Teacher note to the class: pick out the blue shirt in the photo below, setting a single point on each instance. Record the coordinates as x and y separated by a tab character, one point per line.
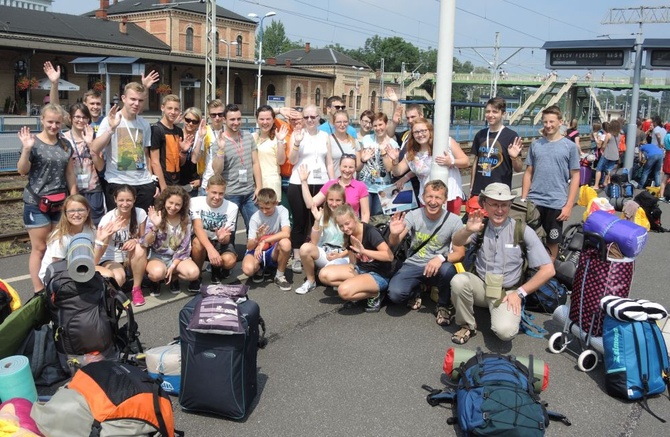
651	150
552	162
330	129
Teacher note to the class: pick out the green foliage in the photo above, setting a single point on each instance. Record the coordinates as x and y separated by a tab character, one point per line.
275	40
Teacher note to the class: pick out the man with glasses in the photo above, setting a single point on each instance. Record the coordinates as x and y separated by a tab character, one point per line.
334	104
236	159
169	148
209	146
497	277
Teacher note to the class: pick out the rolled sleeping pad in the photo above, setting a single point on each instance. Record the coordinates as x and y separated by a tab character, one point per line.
630	238
456	355
80	259
562	313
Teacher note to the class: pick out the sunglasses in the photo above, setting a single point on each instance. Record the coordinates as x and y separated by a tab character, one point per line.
339	107
349	155
216	114
311	117
191	121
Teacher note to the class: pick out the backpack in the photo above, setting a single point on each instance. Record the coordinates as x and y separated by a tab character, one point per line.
86	315
649	203
569	251
9	300
47	365
547	298
495	396
636	357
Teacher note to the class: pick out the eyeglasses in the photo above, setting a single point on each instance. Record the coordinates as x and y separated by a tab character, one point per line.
311	117
420	132
72	212
349	156
339	107
342	122
502	206
216	114
191	121
365	121
80	117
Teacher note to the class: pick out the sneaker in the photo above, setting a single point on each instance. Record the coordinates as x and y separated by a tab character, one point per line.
194	286
349	304
138	297
154	289
282	283
258	277
297	266
374	304
216	275
306	287
175	287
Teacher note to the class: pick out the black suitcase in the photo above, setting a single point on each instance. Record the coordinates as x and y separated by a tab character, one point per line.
219	372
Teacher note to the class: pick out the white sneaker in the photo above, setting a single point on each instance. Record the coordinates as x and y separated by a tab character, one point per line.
297	266
306	287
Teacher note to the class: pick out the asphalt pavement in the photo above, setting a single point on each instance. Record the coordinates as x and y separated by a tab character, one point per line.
334	372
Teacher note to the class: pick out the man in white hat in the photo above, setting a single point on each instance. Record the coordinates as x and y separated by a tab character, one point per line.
497	281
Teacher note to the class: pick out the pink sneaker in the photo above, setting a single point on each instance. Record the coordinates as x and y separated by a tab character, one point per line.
138	297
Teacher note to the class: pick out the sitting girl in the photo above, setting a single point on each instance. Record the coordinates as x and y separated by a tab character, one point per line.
168	235
329	250
368	275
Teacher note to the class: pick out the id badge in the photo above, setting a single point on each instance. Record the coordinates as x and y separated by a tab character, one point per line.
243	176
82	180
317	173
493	284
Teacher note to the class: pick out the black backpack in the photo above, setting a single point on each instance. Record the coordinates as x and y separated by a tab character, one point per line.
649	203
569	251
86	315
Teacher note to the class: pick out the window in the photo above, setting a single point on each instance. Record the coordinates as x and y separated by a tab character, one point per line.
317	96
239	45
237	91
298	97
351	98
189	39
373	100
270	91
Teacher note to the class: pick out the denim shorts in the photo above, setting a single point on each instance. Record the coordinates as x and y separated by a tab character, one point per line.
266	257
34	218
382	282
605	165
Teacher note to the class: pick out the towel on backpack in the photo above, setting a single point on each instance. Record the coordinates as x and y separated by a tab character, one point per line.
632	310
216	315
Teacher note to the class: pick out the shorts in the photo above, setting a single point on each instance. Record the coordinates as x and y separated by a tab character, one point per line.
34	218
266	258
166	259
382	282
550	223
221	248
605	165
322	260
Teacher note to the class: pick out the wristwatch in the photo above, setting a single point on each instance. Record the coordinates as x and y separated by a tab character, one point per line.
521	293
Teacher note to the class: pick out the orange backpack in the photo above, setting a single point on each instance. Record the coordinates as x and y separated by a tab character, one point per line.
622	143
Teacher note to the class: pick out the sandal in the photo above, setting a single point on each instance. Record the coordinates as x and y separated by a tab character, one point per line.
444	316
414	303
463	335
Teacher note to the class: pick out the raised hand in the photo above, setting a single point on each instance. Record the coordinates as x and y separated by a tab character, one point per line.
356	244
475	222
27	139
392	152
88	134
187	142
317	213
515	148
114	117
303	172
52	73
221	141
397	223
391	95
282	132
367	154
150	79
298	135
155	216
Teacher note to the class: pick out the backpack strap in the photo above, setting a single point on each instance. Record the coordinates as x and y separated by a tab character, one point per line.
427	240
39	349
155	390
643	368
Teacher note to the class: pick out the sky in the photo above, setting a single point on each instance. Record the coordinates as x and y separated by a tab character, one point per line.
520	23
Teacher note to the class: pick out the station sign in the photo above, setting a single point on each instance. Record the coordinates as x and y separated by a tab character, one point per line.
589	54
657	52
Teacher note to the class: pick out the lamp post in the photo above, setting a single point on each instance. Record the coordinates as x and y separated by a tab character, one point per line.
228	44
356	91
260	52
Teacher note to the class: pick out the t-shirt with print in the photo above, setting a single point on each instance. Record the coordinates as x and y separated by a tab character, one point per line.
166	141
493	161
238	169
370	241
57	249
552	162
116	241
373	171
84	169
421	227
173	242
275	222
125	158
48	163
420	166
331	234
225	216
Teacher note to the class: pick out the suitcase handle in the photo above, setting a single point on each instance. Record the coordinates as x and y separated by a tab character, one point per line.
592	239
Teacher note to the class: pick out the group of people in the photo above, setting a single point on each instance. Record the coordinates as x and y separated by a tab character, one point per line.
159	200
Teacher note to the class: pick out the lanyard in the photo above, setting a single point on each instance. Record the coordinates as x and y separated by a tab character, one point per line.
239	147
137	132
489	148
80	158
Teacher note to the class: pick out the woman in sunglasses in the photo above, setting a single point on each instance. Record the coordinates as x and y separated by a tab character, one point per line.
196	128
341	143
374	164
310	147
419	159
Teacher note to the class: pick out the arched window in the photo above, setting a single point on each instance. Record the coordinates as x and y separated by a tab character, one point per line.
270	91
351	98
239	45
298	96
317	96
373	101
217	43
237	91
189	39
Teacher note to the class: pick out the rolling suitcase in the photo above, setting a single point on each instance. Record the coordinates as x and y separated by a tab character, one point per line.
597	276
218	371
585	173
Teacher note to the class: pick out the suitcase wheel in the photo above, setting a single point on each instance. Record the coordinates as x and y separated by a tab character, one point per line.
587	361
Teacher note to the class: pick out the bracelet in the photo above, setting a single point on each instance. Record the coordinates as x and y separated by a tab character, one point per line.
100	243
315	229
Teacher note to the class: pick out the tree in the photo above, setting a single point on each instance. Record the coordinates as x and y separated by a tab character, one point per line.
275	41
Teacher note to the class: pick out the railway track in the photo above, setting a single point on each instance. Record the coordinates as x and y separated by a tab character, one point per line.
20	236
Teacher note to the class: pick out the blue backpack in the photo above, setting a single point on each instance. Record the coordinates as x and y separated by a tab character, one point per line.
495	396
547	298
636	360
